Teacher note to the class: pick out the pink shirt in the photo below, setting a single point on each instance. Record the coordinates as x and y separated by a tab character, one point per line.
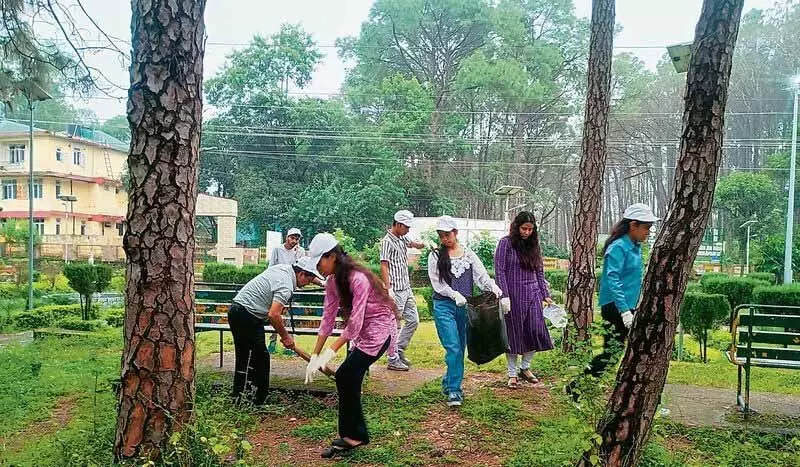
371	321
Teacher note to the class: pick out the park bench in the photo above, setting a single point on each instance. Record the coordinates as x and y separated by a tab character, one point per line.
301	317
765	336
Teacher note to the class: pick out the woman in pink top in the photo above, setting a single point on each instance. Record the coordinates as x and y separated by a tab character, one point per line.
359	297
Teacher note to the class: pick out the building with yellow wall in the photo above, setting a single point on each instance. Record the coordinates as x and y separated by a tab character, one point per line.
87	164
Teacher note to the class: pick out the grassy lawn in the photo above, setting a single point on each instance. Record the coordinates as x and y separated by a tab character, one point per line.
58	409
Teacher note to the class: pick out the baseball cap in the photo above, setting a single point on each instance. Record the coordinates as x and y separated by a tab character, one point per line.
446	224
640	212
320	244
404	217
294	231
304	263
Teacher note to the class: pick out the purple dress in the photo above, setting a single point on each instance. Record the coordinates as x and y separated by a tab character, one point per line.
527	289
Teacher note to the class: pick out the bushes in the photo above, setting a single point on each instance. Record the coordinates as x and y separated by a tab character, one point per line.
427	294
701	312
778	295
75	323
710	276
10	291
87	279
738	290
45	316
229	274
557	296
114	317
557	279
763	276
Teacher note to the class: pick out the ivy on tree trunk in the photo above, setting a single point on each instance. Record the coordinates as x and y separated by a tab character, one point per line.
625	428
164	113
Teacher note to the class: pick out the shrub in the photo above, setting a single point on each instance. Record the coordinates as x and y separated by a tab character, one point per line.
702	312
87	279
44	316
419	278
788	295
117	284
9	291
114	317
738	290
710	276
694	287
427	294
229	274
557	279
484	246
557	296
77	324
763	276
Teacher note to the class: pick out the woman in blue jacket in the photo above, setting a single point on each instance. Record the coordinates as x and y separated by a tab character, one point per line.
620	284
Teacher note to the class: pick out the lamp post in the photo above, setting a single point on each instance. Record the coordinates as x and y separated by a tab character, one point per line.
787	254
507	191
33	92
747	225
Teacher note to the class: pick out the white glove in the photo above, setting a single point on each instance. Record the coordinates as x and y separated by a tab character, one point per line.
627	319
497	291
505	305
313	366
326	357
429	244
460	300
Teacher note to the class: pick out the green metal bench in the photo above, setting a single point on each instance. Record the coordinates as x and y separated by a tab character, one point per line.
302	316
765	336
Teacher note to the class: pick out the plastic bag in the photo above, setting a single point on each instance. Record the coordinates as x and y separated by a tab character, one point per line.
556	315
486	335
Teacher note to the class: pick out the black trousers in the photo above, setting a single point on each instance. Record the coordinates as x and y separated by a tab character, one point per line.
349	379
251	371
613	341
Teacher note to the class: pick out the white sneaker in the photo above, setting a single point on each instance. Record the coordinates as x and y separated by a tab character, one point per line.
395	364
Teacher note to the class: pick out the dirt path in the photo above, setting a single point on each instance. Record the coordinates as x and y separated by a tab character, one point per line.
62	413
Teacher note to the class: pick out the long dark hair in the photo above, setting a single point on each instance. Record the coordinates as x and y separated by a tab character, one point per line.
342	270
619	230
443	264
529	250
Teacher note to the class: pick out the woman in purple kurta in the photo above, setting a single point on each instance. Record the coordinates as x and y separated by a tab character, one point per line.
520	274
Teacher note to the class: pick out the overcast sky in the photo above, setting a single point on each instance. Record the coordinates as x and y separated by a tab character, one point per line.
647	27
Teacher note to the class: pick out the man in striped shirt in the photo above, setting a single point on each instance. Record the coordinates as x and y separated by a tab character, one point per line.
394	269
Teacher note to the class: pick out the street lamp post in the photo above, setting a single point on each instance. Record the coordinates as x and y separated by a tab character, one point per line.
747	225
33	93
787	256
71	200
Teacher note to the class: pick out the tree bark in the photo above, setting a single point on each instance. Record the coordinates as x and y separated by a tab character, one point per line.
580	292
626	426
164	113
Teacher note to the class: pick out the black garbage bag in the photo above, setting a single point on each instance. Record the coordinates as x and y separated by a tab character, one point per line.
486	332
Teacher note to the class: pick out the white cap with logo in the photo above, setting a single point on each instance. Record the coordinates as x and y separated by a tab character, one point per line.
404	217
304	263
294	231
320	244
640	212
446	224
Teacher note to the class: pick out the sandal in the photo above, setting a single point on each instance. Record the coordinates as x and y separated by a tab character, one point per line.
528	376
338	447
512	383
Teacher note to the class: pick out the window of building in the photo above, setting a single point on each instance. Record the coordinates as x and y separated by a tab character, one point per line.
59	155
120	228
9	188
38	189
83	228
16	153
77	156
58	226
38	225
58	188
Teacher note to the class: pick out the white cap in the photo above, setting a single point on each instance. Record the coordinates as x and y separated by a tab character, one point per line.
294	231
446	224
320	244
304	263
404	217
640	212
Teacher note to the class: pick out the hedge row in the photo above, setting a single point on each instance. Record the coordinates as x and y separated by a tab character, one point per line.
45	316
738	290
778	295
229	274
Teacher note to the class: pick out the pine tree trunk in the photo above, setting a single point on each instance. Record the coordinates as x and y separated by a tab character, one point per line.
626	426
580	291
164	112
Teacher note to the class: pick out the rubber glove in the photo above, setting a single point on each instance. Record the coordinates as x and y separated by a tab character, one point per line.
497	291
627	319
460	300
505	305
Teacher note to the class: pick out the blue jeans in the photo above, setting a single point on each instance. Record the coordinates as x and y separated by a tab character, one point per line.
451	325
